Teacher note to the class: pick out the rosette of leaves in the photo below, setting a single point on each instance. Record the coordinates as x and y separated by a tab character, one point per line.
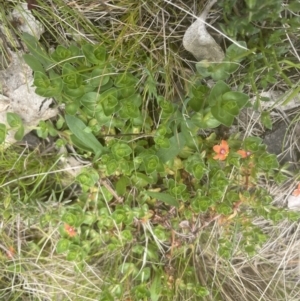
47	86
16	123
221	106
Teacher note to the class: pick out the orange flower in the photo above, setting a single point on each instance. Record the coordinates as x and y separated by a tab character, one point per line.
70	230
243	153
10	252
297	191
222	150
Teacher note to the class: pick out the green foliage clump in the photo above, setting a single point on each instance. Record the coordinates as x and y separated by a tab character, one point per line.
270	60
160	176
160	168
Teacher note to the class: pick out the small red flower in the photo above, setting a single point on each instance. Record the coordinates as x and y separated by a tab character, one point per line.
243	153
70	230
297	191
222	150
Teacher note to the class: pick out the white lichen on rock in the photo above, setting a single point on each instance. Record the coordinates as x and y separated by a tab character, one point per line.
16	83
199	42
27	22
20	97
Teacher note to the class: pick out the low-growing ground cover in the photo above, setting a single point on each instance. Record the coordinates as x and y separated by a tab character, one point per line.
177	197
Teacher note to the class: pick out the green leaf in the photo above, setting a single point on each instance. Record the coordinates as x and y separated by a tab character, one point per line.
125	80
220	71
252	144
47	87
251	4
71	76
126	234
129	109
141	292
224	209
121	185
177	143
219	89
94	54
162	142
77	127
74	93
203	68
136	99
2	132
294	6
225	113
61	53
235	53
110	92
91	101
268	162
78	143
106	296
241	99
72	108
42	130
222	115
151	163
198	170
121	150
266	119
200	204
164	197
178	190
100	53
56	87
98	78
75	51
205	122
230	106
33	63
69	218
62	246
89	218
111	167
198	100
201	291
156	287
88	51
106	87
119	216
19	133
41	80
109	105
75	253
231	67
90	98
38	52
14	120
167	108
141	180
127	92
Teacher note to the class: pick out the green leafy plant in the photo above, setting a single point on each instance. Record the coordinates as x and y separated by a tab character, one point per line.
230	64
253	22
166	193
16	124
176	174
100	101
219	106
